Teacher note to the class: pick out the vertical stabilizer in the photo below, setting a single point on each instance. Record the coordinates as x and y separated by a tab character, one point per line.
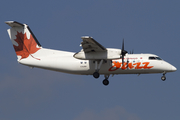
24	42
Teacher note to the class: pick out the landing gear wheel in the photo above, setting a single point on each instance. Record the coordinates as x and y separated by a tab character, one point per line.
105	82
96	75
163	78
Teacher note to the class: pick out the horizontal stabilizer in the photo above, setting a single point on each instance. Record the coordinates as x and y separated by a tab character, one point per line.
14	24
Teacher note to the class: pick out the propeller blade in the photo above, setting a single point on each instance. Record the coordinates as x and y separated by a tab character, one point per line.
122	60
127	63
123	52
123	45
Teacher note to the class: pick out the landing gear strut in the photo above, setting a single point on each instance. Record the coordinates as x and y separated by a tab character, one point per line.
97	68
163	78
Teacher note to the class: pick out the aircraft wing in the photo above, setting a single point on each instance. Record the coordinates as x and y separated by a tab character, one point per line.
92	50
90	45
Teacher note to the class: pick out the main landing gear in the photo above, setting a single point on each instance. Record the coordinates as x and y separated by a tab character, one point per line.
96	73
163	78
97	68
106	81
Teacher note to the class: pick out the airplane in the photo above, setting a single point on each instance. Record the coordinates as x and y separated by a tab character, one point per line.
94	59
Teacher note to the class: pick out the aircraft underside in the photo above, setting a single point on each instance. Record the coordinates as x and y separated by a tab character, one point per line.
91	67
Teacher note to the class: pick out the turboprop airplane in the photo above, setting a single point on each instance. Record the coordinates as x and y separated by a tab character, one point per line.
93	59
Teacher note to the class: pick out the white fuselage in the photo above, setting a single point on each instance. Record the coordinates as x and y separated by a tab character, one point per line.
63	61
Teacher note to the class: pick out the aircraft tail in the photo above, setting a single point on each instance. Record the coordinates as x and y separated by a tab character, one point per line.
24	42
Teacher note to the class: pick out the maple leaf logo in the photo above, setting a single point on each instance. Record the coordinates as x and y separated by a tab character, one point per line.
25	46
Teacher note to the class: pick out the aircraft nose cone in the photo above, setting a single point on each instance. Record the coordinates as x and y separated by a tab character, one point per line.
174	68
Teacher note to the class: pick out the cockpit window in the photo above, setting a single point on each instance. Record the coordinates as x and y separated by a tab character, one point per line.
158	58
154	58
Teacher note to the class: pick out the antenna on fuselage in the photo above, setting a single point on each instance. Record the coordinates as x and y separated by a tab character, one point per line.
131	52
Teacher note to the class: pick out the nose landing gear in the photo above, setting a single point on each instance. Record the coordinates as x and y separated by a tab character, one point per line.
163	78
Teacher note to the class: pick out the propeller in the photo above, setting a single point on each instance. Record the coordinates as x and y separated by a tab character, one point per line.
123	52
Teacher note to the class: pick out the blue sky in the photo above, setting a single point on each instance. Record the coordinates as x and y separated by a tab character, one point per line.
147	27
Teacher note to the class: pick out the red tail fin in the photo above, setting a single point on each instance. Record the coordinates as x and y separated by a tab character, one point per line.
24	42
